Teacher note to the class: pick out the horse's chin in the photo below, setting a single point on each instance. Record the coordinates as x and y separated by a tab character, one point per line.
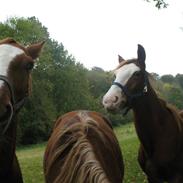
117	109
113	110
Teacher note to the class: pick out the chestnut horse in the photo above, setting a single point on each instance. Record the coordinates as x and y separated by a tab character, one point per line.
83	149
159	126
181	114
16	62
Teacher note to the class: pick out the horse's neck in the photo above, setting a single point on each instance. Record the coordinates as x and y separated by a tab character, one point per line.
11	131
7	147
147	106
148	116
10	134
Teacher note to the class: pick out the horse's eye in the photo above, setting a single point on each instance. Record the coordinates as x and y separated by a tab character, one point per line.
29	66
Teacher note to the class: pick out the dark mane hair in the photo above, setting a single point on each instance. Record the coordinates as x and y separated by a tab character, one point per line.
171	108
174	111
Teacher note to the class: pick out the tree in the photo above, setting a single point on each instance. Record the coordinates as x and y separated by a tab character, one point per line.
159	3
179	79
173	95
36	119
25	30
99	81
168	78
59	82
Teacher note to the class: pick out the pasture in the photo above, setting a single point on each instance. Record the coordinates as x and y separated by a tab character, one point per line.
31	158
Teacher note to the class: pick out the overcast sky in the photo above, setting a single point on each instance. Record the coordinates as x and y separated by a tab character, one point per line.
96	31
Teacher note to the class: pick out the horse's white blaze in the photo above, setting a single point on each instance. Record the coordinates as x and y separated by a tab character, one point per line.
7	54
123	74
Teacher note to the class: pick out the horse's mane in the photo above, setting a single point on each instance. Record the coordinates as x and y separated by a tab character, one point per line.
171	108
77	155
174	111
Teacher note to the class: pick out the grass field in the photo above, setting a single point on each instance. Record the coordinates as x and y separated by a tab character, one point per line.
31	158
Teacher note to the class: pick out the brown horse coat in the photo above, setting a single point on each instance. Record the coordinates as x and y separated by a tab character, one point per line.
159	125
181	114
159	128
83	149
16	63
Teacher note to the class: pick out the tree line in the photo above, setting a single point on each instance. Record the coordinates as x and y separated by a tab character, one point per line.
61	84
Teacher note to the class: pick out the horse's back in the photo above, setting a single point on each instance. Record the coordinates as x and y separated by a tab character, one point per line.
71	130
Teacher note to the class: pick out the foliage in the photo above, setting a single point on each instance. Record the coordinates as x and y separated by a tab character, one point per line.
172	90
38	113
61	84
159	3
179	80
167	78
99	81
174	95
26	31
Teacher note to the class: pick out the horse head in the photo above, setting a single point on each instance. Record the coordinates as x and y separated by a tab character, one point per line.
16	63
130	82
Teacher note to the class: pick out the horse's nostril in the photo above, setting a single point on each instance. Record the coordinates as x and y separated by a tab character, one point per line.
116	99
105	102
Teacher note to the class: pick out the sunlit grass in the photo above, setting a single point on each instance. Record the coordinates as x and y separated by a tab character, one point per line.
31	158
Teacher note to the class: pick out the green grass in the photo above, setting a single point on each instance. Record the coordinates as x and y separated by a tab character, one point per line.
31	162
31	158
129	145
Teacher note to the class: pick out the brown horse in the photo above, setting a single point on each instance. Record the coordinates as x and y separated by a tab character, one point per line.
181	114
16	62
159	126
83	149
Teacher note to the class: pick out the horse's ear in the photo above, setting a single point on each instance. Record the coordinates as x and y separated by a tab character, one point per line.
35	49
120	59
141	56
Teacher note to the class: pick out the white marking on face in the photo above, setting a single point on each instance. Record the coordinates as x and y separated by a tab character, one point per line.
124	73
114	97
7	54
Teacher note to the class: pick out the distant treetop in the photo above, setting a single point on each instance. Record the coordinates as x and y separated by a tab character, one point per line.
159	3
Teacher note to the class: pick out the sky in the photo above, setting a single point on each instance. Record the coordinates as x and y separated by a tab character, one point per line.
96	31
